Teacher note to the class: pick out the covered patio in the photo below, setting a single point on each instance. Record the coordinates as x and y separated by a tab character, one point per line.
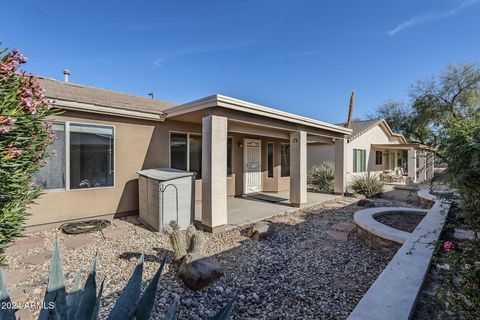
247	151
413	163
249	209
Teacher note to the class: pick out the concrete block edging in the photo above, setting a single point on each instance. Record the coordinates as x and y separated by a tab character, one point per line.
394	294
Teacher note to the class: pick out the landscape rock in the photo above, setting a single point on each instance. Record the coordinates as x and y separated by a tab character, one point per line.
366	203
198	272
259	230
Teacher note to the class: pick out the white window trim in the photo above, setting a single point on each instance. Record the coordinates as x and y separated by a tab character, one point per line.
67	157
266	158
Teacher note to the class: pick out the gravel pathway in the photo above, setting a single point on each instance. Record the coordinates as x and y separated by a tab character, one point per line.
302	271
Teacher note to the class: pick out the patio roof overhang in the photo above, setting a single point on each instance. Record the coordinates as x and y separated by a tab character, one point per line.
247	117
392	146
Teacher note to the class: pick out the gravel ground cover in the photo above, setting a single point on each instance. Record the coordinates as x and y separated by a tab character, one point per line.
312	266
405	221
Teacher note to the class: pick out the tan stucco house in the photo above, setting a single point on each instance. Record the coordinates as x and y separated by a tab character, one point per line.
104	138
374	149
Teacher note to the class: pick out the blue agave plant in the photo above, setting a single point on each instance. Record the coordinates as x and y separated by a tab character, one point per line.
84	303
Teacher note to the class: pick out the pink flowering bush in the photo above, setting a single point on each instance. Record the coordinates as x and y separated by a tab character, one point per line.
448	245
24	137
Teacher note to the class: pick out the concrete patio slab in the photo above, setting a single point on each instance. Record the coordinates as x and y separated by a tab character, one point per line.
244	211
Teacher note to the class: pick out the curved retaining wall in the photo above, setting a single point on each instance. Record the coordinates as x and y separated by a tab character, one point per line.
393	295
378	235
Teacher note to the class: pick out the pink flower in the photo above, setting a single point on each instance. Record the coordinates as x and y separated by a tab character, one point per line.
42	162
7	120
448	245
5	129
13	152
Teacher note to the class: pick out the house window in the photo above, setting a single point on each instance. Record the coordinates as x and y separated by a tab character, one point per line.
359	160
195	155
285	159
52	175
378	157
270	160
229	156
178	151
91	156
82	157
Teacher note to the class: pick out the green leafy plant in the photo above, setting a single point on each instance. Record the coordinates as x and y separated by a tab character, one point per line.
321	178
369	186
85	303
24	137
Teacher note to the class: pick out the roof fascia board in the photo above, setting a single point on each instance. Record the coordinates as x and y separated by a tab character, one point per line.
244	106
91	108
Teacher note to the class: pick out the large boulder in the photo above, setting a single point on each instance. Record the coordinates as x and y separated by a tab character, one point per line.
198	272
259	230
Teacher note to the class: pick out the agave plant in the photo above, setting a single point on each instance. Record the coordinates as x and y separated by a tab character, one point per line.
84	303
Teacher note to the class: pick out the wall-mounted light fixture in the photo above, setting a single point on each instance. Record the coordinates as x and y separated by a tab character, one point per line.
240	145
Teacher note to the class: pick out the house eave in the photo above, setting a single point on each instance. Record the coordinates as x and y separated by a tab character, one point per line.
107	110
251	108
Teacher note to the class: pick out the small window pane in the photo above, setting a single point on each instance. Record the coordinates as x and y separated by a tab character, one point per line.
359	160
91	156
178	151
52	175
378	157
196	155
285	160
270	160
229	156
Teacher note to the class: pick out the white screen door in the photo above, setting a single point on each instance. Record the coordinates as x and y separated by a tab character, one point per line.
252	181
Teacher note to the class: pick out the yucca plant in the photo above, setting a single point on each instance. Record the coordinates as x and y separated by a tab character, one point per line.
369	186
84	303
320	178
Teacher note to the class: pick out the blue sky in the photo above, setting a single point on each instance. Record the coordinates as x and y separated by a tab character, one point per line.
300	56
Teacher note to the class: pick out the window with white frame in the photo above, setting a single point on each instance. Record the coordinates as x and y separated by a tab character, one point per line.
229	156
186	153
82	156
359	160
270	153
285	160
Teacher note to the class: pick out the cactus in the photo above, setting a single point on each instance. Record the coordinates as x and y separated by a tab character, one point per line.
189	234
173	232
196	242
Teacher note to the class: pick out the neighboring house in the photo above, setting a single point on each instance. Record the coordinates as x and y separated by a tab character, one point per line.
373	148
235	147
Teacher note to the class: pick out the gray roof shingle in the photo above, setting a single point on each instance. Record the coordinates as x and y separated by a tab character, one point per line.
84	94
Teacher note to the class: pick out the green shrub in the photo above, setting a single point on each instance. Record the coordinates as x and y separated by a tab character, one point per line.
321	178
460	150
24	137
369	186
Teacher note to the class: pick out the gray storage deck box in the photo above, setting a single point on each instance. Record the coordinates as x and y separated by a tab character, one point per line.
166	195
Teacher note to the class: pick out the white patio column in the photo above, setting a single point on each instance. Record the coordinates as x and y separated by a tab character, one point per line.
214	172
298	168
430	165
412	165
422	166
340	166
